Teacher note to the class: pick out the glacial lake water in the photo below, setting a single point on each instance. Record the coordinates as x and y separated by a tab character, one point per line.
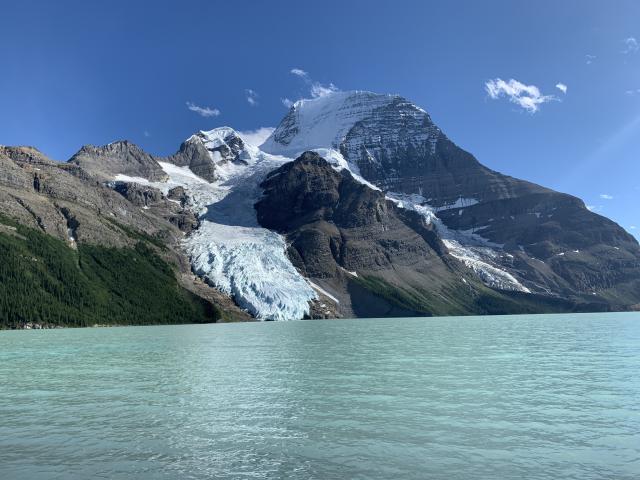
522	397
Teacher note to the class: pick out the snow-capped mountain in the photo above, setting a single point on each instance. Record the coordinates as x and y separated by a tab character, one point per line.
514	234
323	122
384	215
506	233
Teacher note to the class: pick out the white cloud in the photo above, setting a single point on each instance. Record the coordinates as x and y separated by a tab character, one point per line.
595	208
252	97
631	45
528	97
562	87
319	90
203	111
258	136
316	89
606	196
299	72
286	102
633	92
589	59
632	227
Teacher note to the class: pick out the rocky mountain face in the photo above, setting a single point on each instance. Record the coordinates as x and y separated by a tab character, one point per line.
374	257
122	157
347	237
550	242
204	151
393	144
357	205
56	199
66	202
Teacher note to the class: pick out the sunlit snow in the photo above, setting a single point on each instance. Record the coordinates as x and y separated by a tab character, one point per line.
229	249
476	252
232	252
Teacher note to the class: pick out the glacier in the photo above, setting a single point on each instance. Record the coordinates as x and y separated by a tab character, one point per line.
232	252
229	249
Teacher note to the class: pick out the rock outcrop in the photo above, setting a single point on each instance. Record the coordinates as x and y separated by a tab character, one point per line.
75	206
205	152
373	257
118	158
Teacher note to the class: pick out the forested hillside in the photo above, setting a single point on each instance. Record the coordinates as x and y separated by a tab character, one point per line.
44	281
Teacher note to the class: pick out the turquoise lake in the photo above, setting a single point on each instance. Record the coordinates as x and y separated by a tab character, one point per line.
515	397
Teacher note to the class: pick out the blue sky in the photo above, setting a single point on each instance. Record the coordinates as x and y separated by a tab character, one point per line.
92	72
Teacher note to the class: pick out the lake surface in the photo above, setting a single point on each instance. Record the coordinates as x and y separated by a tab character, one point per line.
526	397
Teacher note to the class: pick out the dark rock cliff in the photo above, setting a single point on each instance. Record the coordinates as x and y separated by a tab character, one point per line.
377	259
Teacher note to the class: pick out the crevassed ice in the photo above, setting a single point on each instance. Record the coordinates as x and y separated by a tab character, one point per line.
251	265
229	249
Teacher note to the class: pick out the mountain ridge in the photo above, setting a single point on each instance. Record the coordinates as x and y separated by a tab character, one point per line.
513	242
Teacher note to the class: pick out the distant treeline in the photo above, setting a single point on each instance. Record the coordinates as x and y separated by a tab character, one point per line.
43	280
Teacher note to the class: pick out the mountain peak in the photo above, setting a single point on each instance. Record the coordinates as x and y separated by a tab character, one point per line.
222	139
325	122
25	154
119	157
214	137
206	151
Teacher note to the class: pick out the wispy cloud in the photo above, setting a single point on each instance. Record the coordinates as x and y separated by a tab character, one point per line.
589	59
528	97
595	208
562	87
252	97
606	196
630	45
287	102
633	92
632	227
203	111
258	136
299	72
316	89
146	133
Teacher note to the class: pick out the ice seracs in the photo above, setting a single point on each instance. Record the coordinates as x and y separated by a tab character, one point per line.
229	249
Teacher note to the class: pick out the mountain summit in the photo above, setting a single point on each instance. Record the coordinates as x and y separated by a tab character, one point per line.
356	205
549	241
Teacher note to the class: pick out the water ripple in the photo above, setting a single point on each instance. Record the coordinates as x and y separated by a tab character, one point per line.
537	397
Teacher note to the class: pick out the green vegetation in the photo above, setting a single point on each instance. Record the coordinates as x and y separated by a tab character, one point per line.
44	281
462	299
136	235
398	296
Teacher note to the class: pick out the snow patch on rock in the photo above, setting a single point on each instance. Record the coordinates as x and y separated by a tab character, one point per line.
475	251
461	202
339	163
